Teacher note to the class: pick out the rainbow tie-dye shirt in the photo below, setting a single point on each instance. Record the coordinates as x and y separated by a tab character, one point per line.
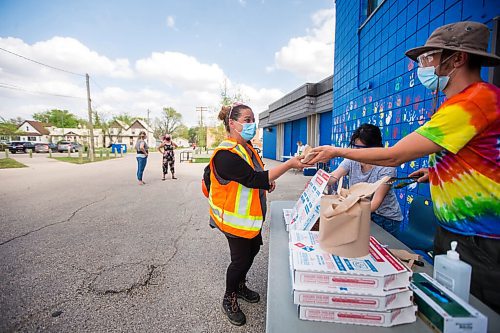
465	177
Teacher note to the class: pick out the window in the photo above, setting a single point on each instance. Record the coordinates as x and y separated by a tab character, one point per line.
371	6
133	132
31	138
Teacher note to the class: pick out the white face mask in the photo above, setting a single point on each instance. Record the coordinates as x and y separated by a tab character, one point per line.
429	79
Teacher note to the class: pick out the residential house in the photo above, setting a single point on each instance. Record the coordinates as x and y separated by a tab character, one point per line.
34	131
120	132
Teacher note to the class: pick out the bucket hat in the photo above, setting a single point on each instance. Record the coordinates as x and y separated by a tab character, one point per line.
467	36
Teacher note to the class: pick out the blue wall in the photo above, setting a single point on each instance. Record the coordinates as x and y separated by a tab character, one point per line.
269	142
373	80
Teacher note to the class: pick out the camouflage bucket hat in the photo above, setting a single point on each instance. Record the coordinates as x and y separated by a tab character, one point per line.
467	36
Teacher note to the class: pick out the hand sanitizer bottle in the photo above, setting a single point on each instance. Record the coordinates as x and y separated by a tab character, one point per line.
453	273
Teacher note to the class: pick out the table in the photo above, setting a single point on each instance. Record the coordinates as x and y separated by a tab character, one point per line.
282	314
285	158
186	155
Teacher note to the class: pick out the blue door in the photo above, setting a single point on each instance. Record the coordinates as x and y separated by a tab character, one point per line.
325	128
269	142
287	140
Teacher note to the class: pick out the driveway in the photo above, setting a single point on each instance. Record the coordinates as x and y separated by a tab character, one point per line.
84	248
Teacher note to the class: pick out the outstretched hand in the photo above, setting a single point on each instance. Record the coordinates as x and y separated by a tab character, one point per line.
323	154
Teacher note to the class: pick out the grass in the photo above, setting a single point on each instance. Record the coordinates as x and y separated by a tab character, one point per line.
9	163
84	160
201	159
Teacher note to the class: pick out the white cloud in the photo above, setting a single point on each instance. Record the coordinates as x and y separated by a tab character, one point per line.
310	57
181	70
242	2
166	79
171	22
61	52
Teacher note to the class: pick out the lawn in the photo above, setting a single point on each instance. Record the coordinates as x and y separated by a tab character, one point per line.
84	160
8	163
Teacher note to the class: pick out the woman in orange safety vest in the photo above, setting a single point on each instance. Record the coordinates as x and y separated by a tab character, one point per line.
237	199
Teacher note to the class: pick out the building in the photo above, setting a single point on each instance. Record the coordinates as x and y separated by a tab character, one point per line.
118	132
373	81
305	114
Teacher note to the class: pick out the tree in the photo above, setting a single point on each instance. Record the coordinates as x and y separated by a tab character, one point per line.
169	121
8	127
182	131
59	118
193	134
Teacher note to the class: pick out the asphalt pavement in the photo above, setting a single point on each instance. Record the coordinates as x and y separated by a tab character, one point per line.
84	248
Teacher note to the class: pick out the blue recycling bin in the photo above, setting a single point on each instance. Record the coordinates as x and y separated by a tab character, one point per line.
116	148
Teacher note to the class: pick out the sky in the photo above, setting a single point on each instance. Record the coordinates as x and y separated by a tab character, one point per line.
150	54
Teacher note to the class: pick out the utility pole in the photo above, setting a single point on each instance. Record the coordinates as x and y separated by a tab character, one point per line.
91	126
148	119
202	109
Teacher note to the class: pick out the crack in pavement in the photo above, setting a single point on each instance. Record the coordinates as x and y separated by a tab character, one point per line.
55	223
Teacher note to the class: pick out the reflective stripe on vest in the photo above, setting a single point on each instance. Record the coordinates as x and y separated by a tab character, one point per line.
231	204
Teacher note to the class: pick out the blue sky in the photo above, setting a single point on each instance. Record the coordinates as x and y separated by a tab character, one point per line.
150	54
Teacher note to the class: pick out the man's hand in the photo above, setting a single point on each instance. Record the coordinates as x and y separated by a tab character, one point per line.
423	175
324	154
272	186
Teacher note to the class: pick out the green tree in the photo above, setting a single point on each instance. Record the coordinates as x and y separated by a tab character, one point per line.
8	127
168	122
59	118
193	134
182	131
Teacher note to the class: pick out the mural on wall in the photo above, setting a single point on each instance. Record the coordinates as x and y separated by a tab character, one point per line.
404	108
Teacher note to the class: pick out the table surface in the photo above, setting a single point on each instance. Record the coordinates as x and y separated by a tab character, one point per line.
282	314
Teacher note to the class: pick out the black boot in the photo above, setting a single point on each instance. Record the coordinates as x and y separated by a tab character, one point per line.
248	295
232	309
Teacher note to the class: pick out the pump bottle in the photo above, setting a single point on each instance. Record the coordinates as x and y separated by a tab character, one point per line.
453	273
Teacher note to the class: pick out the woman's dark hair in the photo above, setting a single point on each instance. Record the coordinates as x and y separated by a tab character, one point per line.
368	134
231	112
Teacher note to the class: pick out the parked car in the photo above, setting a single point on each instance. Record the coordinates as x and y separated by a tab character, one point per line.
21	146
53	147
64	146
41	148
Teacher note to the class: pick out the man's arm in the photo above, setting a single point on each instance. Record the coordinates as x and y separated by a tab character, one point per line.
411	147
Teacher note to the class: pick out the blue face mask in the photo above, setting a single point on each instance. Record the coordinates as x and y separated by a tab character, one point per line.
248	131
432	81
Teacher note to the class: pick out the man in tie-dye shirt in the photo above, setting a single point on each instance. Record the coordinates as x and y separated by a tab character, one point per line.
463	140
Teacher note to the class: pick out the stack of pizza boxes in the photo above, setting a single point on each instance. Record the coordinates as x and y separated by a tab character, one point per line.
371	290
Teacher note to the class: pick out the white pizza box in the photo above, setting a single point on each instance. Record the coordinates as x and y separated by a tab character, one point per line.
393	299
359	317
313	269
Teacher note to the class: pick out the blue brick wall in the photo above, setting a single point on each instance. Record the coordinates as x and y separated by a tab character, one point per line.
373	80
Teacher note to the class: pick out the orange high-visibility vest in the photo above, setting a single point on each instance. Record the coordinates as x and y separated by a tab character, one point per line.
235	209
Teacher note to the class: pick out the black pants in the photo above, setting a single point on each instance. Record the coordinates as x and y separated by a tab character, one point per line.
243	251
483	254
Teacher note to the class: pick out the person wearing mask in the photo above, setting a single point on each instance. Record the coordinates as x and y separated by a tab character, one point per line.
384	205
300	148
168	153
141	147
237	185
462	141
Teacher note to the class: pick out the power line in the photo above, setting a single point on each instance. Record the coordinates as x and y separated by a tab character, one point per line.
14	87
40	63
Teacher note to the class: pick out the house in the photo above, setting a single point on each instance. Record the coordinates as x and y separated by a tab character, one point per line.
120	132
80	135
34	131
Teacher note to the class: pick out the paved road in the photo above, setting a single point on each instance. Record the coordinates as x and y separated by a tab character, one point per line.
83	248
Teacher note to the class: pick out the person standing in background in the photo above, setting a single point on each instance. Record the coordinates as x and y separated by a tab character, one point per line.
141	147
168	153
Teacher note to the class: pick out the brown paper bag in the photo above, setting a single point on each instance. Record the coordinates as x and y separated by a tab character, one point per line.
344	225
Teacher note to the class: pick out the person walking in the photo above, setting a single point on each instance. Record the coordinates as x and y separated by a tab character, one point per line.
237	184
385	208
462	141
141	147
168	153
